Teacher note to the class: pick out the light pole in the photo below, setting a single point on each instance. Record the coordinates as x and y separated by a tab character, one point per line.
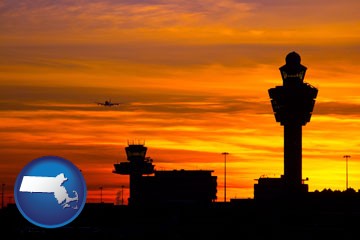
122	194
347	175
2	195
101	188
225	153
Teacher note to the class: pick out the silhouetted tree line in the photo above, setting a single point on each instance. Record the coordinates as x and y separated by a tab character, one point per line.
329	191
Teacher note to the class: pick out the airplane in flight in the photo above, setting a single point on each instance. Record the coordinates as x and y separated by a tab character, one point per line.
107	103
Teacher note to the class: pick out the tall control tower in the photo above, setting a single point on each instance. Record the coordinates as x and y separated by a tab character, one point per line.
293	104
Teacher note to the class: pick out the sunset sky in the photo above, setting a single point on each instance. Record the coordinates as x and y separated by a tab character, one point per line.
192	77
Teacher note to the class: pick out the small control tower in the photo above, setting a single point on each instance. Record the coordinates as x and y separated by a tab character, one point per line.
293	104
138	165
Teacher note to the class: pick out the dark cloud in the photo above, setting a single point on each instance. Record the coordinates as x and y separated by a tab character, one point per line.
337	108
151	56
17	98
34	98
26	96
175	55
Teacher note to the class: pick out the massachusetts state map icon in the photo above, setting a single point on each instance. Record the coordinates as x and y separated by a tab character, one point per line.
50	192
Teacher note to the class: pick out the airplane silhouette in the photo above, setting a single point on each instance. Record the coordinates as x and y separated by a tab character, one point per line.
107	103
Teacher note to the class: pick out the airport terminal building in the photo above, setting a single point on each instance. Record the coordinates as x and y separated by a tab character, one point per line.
151	187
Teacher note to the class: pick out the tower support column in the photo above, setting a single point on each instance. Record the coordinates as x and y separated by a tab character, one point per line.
293	154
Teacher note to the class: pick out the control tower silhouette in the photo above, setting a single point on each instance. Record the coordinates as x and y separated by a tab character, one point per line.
138	165
292	104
